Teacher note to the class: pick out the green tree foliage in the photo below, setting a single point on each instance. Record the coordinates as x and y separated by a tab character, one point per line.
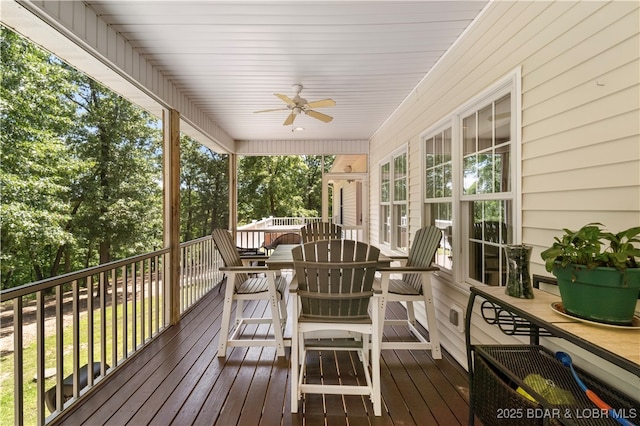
279	186
312	196
80	175
204	190
37	166
120	197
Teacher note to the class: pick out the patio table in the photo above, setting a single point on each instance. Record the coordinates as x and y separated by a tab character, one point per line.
281	258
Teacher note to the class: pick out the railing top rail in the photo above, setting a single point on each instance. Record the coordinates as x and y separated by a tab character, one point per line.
196	241
270	230
267	222
47	283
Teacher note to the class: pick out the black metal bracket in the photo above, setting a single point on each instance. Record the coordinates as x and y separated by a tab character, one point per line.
509	323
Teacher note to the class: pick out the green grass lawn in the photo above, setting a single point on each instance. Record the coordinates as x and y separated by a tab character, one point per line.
30	360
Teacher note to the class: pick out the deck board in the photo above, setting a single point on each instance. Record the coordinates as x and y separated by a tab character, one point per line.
178	379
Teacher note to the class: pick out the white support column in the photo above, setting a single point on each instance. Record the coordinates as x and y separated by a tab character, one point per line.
233	194
325	198
171	194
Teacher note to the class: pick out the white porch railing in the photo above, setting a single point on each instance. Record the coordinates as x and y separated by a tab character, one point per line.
87	323
259	232
200	265
280	222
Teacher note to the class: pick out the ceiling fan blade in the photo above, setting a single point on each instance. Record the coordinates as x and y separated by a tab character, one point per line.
273	109
320	116
289	119
322	103
285	99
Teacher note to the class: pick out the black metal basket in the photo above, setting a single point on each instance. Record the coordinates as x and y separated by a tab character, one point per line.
500	370
495	400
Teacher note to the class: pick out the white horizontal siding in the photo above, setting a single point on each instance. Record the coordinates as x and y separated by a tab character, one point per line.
593	133
348	204
605	200
580	102
581	109
618	148
593	177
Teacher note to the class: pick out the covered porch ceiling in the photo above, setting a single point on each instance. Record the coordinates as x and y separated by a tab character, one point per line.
230	57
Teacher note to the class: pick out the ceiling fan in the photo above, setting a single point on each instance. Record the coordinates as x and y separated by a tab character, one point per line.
298	105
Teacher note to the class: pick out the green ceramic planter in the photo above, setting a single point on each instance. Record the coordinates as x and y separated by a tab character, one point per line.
603	295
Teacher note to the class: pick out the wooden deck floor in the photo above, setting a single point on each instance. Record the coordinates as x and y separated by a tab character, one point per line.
179	380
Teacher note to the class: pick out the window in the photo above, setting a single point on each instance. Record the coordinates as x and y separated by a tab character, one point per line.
393	202
385	205
486	169
490	229
487	146
439	191
477	145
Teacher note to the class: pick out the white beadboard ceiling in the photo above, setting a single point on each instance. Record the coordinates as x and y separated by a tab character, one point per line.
230	57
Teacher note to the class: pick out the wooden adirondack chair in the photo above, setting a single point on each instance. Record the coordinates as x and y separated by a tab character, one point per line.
414	286
320	231
249	283
333	289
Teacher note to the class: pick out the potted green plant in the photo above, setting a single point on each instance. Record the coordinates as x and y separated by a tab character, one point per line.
597	271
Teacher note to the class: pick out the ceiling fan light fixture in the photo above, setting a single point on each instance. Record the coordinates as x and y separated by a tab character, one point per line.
298	105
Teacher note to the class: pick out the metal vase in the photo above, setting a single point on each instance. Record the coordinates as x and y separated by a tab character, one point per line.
518	276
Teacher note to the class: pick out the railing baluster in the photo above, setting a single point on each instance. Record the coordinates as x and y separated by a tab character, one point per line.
147	267
90	330
143	337
134	305
114	317
156	265
103	322
40	353
204	281
162	269
59	348
75	304
213	265
194	273
125	312
192	277
195	251
18	382
209	266
198	269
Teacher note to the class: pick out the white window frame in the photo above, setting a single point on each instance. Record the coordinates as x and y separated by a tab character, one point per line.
392	203
461	203
447	241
